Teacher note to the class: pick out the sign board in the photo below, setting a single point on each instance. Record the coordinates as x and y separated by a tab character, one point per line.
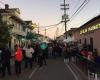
89	29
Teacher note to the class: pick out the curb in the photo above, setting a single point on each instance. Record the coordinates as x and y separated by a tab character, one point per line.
79	72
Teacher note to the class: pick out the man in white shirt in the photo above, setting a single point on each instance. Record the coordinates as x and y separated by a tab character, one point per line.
29	53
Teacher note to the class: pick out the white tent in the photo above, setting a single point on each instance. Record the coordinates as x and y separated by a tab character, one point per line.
69	39
45	41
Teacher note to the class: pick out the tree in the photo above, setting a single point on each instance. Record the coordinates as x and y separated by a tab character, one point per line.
30	36
4	33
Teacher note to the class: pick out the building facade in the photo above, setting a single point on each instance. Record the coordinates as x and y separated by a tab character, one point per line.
12	17
89	33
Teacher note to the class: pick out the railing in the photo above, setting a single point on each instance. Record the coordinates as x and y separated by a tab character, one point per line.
88	66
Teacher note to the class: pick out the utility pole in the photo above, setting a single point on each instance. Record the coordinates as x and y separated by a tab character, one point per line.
65	18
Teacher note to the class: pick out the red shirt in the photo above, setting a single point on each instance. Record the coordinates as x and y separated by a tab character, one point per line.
18	55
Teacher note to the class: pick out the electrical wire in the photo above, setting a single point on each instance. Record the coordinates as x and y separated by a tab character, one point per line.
78	11
50	25
88	19
79	8
76	5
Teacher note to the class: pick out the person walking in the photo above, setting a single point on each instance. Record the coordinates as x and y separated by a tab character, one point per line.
29	53
18	59
36	51
65	53
42	54
50	50
24	54
5	61
40	58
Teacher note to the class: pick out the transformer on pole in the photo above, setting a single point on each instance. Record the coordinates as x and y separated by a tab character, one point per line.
65	17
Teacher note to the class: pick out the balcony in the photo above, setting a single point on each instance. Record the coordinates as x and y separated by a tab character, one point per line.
22	33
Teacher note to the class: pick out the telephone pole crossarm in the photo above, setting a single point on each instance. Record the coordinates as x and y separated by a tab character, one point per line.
65	17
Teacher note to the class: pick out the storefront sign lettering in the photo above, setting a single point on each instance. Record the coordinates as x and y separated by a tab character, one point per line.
83	31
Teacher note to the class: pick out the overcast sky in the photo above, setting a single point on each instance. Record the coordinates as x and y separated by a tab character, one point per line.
48	12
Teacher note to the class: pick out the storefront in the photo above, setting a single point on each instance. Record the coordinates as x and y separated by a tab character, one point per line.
89	33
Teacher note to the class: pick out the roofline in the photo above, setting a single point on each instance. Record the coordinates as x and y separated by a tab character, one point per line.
18	18
93	19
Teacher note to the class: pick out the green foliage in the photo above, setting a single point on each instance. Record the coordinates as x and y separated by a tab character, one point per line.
4	33
30	36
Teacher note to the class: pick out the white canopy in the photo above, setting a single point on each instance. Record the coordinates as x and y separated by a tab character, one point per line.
69	39
45	41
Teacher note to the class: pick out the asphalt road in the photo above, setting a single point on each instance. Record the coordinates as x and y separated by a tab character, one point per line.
55	69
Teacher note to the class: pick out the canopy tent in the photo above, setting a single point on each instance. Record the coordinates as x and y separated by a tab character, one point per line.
45	41
69	39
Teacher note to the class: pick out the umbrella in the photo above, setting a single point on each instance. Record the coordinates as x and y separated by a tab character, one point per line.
43	45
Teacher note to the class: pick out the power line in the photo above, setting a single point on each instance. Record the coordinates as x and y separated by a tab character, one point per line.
76	5
51	25
88	19
82	8
78	9
45	29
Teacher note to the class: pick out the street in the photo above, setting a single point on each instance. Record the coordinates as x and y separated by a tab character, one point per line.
55	69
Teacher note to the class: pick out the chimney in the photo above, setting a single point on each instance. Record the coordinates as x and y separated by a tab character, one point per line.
6	6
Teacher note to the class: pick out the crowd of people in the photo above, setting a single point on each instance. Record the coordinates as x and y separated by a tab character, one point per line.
26	54
38	53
